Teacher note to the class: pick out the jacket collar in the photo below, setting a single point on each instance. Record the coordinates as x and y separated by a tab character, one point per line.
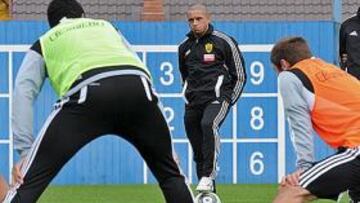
208	32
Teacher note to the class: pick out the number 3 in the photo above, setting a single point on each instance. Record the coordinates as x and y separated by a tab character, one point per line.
167	68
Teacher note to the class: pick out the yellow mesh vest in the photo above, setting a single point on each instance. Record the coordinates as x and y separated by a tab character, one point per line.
79	45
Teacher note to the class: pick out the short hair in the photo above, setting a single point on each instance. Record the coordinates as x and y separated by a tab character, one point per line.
63	8
199	7
292	49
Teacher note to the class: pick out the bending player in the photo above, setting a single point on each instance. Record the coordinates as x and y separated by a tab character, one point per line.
103	88
321	97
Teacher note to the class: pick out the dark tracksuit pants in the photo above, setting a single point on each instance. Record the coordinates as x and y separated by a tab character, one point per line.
334	174
202	126
121	105
354	71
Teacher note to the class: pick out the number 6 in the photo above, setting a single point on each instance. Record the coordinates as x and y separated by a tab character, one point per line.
256	163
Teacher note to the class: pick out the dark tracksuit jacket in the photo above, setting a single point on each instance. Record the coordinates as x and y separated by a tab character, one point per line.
350	44
212	60
213	73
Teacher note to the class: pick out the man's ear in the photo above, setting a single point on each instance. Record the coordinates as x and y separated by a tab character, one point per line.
284	64
276	68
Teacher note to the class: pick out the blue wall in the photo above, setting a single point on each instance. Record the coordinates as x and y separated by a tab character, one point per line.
111	160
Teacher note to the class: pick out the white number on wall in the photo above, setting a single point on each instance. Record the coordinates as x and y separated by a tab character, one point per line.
169	116
168	78
256	163
257	120
257	72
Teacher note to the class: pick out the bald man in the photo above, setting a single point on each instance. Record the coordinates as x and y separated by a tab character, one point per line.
213	76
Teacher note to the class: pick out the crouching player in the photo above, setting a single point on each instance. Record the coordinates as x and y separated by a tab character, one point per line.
103	88
321	97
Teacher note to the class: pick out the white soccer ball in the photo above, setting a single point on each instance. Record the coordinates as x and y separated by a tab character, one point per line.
207	198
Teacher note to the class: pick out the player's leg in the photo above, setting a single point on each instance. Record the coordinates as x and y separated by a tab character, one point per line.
66	131
155	147
214	115
341	168
192	120
3	188
354	194
142	123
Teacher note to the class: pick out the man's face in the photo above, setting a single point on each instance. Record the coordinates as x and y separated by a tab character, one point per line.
198	21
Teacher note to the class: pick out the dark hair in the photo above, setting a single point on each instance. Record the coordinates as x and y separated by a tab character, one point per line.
358	12
292	49
63	8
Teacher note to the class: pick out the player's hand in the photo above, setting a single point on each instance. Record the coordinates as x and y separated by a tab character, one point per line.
3	188
283	181
292	179
17	176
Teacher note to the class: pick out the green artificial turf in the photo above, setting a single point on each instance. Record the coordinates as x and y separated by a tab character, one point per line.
151	194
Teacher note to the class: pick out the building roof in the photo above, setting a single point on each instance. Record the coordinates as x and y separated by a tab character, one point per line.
349	8
243	10
109	9
246	10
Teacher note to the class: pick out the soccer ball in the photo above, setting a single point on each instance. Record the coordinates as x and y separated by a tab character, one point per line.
207	198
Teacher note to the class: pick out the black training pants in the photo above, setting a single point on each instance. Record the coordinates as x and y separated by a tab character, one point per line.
202	126
354	71
120	105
